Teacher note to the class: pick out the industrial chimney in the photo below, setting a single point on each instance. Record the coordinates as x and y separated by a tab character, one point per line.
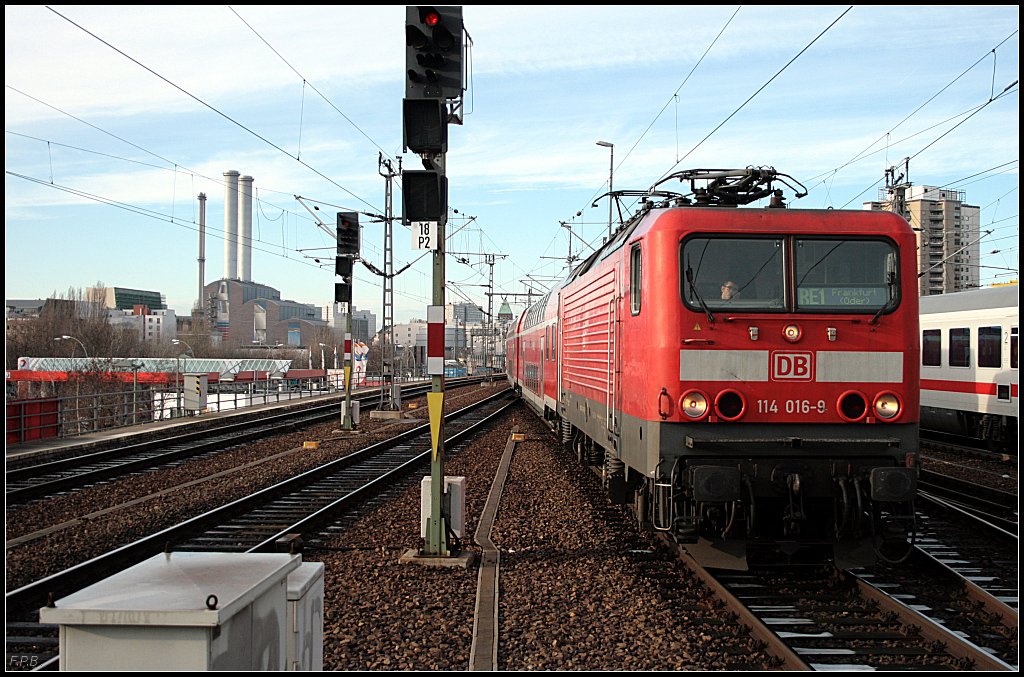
230	224
244	261
202	248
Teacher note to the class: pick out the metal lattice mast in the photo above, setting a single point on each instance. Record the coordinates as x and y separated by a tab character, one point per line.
488	329
488	363
387	348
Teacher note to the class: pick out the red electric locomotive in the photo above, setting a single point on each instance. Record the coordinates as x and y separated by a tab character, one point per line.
746	379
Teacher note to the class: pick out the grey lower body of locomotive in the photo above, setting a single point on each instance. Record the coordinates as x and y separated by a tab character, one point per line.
771	491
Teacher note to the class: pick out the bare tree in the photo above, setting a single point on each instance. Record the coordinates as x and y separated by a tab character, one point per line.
72	315
323	356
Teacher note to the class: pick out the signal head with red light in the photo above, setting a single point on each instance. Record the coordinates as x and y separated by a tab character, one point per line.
433	52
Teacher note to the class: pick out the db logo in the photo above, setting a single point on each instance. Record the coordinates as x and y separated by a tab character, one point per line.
792	366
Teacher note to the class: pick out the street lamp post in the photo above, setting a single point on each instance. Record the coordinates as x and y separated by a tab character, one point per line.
72	338
134	365
78	391
611	172
323	362
135	391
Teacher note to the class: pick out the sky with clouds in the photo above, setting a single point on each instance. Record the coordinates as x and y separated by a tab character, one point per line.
116	118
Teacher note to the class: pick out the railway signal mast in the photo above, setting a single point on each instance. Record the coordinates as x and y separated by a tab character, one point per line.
347	233
435	81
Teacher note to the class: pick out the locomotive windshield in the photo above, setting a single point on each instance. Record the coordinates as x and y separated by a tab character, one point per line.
834	275
723	273
828	274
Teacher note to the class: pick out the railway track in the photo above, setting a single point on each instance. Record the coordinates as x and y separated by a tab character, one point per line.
32	482
962	575
993	506
242	526
964	446
302	505
911	634
990	469
825	619
953	603
979	552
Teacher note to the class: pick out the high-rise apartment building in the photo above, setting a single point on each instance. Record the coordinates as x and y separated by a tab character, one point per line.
364	322
466	313
948	235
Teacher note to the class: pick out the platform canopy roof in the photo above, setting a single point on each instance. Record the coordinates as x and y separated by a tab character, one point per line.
227	368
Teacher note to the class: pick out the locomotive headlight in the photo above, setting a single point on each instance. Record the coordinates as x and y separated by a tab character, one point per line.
792	333
852	406
730	405
694	404
887	406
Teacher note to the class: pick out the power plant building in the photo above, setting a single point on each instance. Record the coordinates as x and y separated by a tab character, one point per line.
250	313
244	312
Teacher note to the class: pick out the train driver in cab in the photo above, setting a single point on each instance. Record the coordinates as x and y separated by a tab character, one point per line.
730	290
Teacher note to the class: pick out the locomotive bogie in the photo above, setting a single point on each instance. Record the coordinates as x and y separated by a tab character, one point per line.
808	487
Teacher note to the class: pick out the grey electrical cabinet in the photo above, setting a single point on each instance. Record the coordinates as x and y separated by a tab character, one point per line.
306	617
180	611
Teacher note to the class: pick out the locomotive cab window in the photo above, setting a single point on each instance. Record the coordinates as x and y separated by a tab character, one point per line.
733	273
847	276
635	280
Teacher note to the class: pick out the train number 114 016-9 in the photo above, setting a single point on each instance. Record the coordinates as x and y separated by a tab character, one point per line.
791	406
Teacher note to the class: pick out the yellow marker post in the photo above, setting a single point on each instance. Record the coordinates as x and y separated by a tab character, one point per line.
346	419
435	408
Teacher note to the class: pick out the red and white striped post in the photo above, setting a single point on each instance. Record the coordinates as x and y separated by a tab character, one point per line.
436	541
435	340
